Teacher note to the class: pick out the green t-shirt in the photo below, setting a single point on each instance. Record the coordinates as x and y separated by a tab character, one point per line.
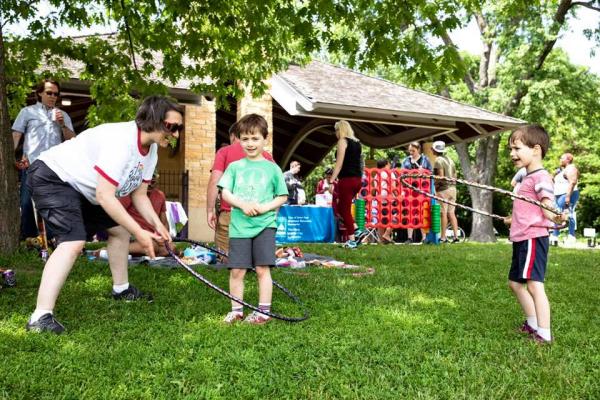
447	165
259	181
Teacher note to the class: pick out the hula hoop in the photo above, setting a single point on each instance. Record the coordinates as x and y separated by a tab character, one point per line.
508	193
225	293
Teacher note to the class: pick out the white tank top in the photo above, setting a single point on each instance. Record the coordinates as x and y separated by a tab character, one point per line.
561	183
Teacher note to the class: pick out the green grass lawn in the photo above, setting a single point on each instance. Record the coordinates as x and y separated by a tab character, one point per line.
432	322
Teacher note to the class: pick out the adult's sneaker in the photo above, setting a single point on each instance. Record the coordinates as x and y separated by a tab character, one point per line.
351	244
359	234
46	323
570	240
132	294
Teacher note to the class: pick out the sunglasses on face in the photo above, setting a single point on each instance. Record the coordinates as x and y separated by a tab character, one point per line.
172	127
51	93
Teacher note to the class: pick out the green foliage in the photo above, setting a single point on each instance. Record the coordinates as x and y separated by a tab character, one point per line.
208	45
432	322
214	45
560	96
376	35
564	100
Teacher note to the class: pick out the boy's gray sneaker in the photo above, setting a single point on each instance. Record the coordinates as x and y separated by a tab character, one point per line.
48	323
132	294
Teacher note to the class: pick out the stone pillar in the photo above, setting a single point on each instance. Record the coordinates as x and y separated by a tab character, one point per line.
200	138
262	105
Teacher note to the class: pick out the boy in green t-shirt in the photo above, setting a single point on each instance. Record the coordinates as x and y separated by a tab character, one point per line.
255	188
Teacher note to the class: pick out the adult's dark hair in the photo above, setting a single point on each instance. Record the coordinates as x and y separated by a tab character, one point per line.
152	113
531	135
41	86
416	145
233	129
382	163
251	123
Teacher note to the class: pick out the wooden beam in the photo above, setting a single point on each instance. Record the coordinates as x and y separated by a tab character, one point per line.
397	139
316	144
309	128
303	160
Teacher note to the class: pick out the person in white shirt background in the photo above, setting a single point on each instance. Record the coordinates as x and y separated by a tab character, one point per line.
40	127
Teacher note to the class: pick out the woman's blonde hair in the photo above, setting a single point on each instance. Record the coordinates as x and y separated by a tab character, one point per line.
345	130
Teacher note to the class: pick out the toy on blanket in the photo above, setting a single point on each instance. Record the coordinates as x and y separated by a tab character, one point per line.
195	254
288	257
289	252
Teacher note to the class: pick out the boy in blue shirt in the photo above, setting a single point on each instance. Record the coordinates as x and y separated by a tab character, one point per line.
255	188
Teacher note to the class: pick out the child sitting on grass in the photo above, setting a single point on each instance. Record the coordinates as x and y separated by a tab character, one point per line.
255	188
529	230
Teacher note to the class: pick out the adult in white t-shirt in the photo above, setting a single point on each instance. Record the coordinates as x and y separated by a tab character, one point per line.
76	186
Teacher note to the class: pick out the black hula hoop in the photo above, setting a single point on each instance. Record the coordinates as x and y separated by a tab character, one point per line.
225	293
480	186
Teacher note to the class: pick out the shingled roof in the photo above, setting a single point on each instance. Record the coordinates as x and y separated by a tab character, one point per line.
325	91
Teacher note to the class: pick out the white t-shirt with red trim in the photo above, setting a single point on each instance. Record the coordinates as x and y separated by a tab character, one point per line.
111	150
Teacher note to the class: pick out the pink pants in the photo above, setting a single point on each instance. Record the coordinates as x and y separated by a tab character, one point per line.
347	189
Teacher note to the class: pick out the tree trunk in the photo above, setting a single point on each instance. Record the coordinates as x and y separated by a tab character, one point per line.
481	170
9	199
482	228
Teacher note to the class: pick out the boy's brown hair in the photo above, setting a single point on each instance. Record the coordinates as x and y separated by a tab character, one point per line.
251	123
531	135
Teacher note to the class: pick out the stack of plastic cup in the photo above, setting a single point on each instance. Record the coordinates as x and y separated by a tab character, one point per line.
360	213
436	220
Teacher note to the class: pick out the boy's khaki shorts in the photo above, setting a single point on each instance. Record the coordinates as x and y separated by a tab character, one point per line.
222	232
